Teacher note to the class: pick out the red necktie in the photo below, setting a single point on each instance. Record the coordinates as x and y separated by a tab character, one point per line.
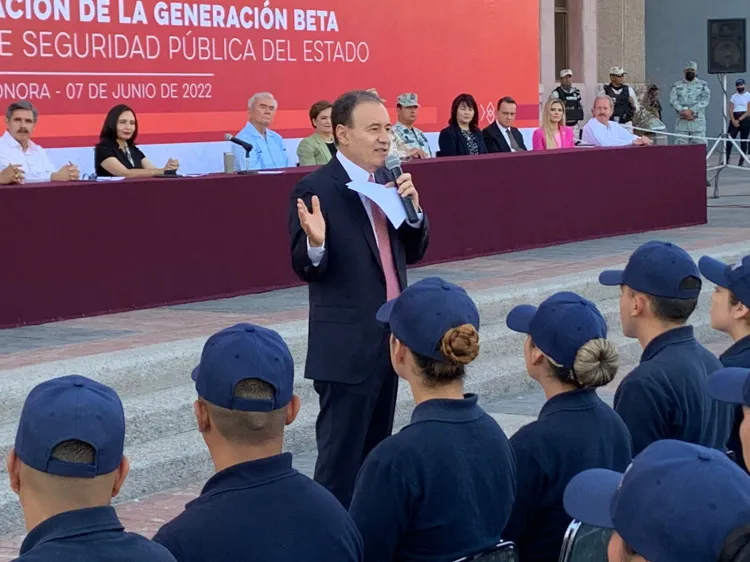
380	222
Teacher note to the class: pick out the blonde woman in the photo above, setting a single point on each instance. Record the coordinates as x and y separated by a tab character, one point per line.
568	354
553	133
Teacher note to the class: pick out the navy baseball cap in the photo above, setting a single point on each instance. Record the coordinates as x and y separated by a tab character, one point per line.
66	409
676	501
421	315
658	269
735	278
560	326
245	351
730	384
739	82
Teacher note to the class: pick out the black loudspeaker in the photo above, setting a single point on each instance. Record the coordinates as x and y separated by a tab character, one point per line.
727	46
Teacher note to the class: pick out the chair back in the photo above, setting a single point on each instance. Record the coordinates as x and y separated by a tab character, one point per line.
585	543
504	552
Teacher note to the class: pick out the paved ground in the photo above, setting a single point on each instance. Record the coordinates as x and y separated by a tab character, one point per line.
729	222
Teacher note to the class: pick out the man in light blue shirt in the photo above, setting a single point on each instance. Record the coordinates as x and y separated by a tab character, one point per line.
268	147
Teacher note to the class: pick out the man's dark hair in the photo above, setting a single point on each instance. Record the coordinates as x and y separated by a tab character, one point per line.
343	108
249	428
506	99
22	105
468	100
109	129
74	451
676	310
736	547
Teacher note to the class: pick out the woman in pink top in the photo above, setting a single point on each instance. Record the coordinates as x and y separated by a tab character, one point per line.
553	133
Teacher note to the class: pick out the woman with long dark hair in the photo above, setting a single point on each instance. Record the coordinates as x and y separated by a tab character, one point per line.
116	154
462	136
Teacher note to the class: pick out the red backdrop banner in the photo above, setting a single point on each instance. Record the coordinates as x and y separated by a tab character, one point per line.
189	68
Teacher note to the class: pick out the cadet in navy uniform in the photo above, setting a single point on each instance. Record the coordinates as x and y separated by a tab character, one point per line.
730	313
66	466
732	385
568	354
665	397
676	502
256	507
443	487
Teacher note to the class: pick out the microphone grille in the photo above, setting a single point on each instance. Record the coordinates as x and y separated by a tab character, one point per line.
392	162
227	136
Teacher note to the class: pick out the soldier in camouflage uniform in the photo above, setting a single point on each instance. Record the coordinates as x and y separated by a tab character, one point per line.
689	98
410	142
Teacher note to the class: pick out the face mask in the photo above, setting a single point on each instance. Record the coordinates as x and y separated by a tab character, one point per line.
741	89
690	76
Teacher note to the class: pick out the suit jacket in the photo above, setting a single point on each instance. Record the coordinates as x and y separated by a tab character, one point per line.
538	142
495	140
345	343
452	142
313	151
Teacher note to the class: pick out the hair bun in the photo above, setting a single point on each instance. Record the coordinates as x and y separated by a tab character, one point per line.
596	363
460	345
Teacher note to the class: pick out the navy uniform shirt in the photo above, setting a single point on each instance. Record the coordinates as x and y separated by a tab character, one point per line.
575	431
665	397
93	534
738	355
440	489
262	510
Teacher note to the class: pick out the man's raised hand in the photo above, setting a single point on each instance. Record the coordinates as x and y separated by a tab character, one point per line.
313	223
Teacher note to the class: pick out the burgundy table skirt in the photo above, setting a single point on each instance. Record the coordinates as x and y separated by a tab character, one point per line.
70	250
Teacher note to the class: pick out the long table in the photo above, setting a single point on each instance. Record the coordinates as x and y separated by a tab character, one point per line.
86	248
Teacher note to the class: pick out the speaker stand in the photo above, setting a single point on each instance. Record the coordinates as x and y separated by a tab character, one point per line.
720	144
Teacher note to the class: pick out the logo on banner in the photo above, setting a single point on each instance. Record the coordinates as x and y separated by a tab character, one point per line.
490	112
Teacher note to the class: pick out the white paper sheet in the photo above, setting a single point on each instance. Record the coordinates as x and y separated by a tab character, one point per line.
387	198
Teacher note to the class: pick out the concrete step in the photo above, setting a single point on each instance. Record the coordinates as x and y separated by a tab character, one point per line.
152	414
158	367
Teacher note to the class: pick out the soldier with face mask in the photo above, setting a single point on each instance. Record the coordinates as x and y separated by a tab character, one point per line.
689	98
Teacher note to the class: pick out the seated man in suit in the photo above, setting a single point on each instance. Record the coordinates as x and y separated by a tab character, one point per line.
502	136
353	260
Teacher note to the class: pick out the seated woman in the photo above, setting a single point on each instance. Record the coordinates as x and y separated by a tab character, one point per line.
553	133
443	487
117	155
318	148
568	354
462	136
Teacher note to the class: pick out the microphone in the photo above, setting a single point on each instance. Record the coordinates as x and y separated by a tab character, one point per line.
393	164
239	142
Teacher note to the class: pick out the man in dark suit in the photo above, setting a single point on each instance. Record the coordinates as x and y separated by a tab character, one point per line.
353	260
502	136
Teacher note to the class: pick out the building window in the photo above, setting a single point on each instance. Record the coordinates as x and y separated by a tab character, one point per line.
561	35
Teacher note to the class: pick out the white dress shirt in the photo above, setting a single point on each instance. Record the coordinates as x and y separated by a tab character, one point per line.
740	101
611	134
506	133
356	174
34	161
